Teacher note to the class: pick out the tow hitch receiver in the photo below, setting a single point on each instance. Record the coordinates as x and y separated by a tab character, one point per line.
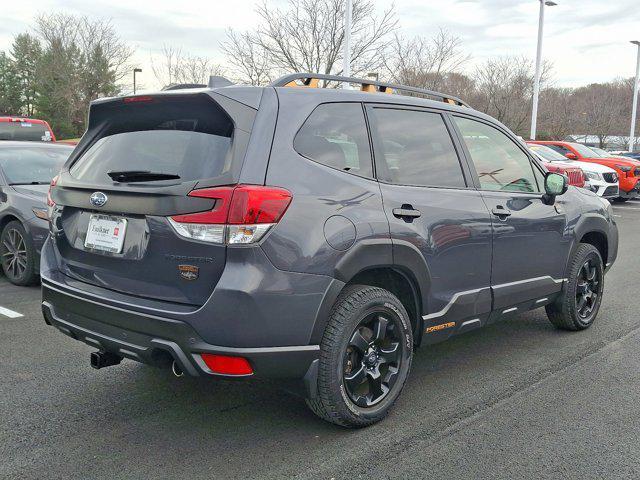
104	359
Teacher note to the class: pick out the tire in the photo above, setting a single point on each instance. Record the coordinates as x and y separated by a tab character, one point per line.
17	255
621	199
353	354
577	308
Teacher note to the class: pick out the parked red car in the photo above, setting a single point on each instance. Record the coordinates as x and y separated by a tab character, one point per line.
628	169
26	129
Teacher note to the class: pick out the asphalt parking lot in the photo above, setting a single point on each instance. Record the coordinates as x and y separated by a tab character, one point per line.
518	399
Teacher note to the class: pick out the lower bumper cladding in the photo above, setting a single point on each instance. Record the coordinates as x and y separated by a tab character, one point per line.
162	342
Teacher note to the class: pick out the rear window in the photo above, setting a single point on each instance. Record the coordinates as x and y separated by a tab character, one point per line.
24	131
188	137
32	165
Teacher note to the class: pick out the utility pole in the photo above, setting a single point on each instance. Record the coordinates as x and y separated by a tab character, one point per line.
346	69
536	84
634	109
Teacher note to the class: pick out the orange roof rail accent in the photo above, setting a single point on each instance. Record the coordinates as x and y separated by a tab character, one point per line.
306	83
311	80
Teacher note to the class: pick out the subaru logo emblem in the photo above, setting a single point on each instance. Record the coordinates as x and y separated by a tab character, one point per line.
98	199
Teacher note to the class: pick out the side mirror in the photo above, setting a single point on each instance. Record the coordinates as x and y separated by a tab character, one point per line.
554	184
571	156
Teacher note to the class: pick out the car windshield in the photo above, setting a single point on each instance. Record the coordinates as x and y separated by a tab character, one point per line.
585	151
547	153
601	153
25	131
32	165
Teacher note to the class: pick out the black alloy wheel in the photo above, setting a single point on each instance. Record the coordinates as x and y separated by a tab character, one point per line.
372	360
588	288
365	357
577	306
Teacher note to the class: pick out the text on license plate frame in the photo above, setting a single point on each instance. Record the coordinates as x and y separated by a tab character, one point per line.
104	242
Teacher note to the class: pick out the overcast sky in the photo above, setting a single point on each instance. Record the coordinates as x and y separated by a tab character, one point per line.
587	40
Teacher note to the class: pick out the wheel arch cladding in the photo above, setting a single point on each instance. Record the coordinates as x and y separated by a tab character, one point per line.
593	229
4	221
405	274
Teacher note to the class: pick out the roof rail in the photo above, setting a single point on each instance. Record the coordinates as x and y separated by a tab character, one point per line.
311	80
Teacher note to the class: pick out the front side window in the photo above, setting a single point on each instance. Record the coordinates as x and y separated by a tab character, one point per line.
417	149
335	135
500	163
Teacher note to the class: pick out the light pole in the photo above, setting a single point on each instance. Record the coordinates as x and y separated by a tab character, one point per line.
346	69
135	70
634	108
536	84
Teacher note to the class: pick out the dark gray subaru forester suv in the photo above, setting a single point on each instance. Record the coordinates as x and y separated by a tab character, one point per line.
313	234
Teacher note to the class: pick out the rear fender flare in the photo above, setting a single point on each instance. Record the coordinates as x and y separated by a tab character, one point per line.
403	257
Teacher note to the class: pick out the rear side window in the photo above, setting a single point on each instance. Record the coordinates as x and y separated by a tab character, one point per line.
417	149
188	137
335	135
500	164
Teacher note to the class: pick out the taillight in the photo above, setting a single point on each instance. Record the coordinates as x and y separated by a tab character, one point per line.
227	365
241	214
54	182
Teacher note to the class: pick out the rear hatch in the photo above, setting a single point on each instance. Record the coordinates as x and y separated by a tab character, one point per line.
133	170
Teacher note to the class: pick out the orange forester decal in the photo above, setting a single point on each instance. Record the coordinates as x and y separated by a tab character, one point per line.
442	326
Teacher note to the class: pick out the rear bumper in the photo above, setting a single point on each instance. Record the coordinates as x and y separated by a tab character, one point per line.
158	341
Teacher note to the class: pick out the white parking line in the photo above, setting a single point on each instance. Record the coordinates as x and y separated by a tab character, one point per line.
9	313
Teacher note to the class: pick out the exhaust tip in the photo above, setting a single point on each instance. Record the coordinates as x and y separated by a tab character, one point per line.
176	369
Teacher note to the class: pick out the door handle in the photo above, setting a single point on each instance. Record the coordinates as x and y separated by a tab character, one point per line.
407	212
501	212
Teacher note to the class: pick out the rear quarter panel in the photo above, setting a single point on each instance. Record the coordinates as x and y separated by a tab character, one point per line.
326	203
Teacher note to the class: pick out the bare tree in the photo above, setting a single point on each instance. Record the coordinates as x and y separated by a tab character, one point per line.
602	109
557	115
250	64
424	62
308	35
504	90
174	67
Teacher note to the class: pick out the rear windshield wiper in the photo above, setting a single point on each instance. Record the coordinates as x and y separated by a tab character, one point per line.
29	183
141	176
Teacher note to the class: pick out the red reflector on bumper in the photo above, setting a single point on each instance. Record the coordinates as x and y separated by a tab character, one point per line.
225	365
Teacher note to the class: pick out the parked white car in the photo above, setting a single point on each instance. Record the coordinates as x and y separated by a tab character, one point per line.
601	180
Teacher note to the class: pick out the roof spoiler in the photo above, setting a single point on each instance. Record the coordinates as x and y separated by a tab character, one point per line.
216	81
